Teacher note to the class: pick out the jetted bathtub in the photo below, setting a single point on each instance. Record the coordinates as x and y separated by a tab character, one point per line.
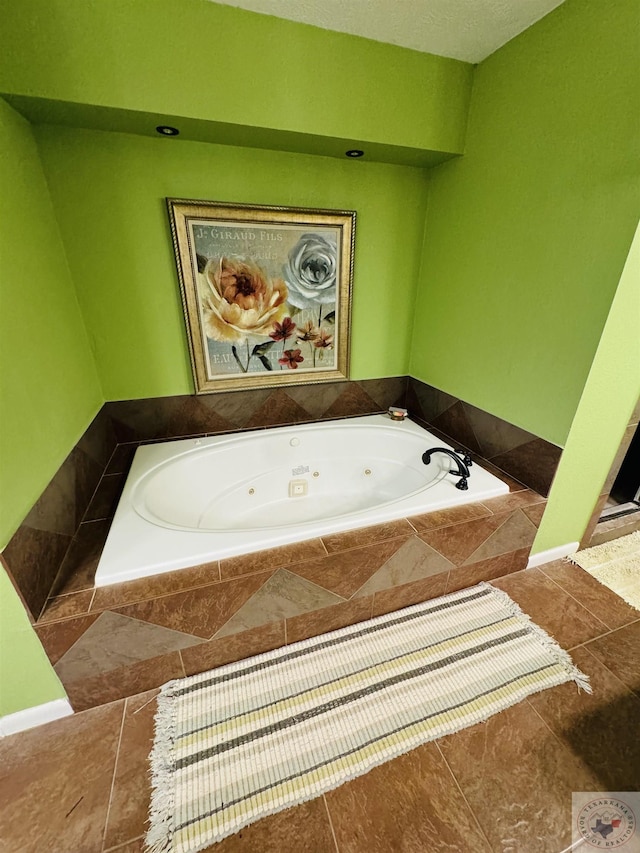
193	501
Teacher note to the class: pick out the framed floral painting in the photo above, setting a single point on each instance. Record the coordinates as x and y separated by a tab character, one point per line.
266	292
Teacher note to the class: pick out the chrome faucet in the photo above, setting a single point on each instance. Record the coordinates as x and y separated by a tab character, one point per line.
463	463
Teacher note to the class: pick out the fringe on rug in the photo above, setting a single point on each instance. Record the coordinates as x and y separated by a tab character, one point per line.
159	838
562	657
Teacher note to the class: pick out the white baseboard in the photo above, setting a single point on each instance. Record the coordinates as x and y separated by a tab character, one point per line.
30	717
552	554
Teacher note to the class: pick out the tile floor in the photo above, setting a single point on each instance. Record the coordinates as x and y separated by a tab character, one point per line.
112	642
80	785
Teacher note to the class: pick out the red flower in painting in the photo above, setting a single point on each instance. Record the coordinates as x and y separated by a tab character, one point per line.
284	330
291	357
324	340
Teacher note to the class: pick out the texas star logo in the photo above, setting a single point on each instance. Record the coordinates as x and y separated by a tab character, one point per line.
606	823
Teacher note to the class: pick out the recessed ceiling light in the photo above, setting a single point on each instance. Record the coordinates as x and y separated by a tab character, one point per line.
354	152
165	130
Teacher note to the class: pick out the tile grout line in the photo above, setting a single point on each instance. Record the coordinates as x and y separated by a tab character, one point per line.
577	600
541	568
611	672
462	794
115	770
602	636
123	846
184	671
628	689
333	832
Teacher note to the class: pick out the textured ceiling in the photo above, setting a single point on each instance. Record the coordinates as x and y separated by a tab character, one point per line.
463	29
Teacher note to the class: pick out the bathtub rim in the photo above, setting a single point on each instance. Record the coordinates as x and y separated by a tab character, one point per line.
125	547
220	442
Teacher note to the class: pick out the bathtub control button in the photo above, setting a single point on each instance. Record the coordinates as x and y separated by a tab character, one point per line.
298	488
252	491
367	471
294	442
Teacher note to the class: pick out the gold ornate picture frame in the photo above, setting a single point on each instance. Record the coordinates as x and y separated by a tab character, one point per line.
266	292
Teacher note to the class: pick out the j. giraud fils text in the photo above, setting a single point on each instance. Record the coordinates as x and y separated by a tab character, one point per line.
215	233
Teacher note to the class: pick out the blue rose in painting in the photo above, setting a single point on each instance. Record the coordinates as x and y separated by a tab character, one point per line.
310	271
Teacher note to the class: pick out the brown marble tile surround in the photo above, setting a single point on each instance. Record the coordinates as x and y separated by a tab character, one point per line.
502	785
34	554
88	484
242	606
523	455
41	556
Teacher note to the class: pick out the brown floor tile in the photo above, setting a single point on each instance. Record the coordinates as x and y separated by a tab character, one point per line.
408	805
201	611
345	572
328	619
552	608
413	561
123	682
596	597
590	725
302	829
458	541
66	606
366	535
620	652
445	517
116	595
58	637
129	806
411	593
487	570
514	500
215	653
55	782
135	846
274	558
518	778
283	596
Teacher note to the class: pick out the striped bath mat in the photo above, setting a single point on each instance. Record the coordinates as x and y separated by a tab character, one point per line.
257	736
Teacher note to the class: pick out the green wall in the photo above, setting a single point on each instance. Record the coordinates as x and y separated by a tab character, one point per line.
527	234
610	394
26	676
50	390
217	63
108	190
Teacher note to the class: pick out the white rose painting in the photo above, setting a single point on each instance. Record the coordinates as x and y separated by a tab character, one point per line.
266	292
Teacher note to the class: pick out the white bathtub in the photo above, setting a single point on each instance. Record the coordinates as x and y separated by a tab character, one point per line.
193	501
